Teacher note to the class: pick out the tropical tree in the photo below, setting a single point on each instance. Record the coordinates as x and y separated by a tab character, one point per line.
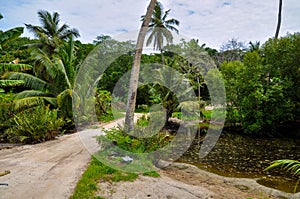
6	37
160	27
279	19
51	34
254	46
263	90
9	35
57	90
133	84
232	50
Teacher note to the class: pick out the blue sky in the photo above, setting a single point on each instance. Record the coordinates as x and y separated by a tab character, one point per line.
211	21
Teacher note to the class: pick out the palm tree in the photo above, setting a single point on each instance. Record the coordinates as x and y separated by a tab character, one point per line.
58	90
51	36
134	77
279	19
50	33
160	28
254	46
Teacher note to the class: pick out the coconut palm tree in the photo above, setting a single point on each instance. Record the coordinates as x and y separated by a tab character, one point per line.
51	34
160	28
134	77
279	19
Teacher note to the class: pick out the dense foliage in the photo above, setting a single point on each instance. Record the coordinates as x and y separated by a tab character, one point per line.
262	81
35	125
263	89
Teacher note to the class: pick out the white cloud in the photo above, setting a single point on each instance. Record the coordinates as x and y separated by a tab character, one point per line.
212	21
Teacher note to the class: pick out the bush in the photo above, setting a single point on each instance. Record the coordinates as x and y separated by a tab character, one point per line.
136	144
35	125
5	114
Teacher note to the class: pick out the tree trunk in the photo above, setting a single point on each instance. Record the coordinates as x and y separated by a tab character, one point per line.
133	84
279	19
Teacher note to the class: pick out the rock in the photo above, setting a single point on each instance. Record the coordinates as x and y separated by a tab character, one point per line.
127	159
242	187
161	164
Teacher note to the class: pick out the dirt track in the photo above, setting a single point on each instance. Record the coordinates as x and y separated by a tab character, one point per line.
47	170
50	169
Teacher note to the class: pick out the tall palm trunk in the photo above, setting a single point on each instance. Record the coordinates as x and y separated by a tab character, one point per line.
133	84
279	19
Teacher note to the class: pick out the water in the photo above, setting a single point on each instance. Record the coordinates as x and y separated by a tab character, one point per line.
247	157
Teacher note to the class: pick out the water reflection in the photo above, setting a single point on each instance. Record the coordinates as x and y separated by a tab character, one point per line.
240	156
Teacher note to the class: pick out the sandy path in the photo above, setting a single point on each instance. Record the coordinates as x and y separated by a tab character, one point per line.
48	170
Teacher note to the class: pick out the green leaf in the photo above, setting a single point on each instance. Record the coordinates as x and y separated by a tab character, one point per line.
4	67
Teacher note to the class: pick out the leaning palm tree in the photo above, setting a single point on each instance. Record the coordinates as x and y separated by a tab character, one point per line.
279	19
160	28
51	34
134	76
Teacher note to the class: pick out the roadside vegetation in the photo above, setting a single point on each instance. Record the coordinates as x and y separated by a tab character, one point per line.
262	83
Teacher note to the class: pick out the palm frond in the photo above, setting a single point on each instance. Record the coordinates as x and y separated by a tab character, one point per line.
30	81
168	35
61	98
292	166
289	165
10	35
166	15
61	68
11	83
27	102
150	38
172	28
42	58
4	67
30	93
34	29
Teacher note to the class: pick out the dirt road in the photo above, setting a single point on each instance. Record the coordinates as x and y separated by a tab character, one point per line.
50	169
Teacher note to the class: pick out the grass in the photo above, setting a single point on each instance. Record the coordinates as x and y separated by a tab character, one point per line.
110	117
206	114
96	171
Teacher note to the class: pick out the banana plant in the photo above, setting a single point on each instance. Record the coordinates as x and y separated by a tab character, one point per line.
55	88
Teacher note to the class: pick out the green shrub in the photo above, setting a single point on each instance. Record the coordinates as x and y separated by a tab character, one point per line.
5	114
136	144
35	125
